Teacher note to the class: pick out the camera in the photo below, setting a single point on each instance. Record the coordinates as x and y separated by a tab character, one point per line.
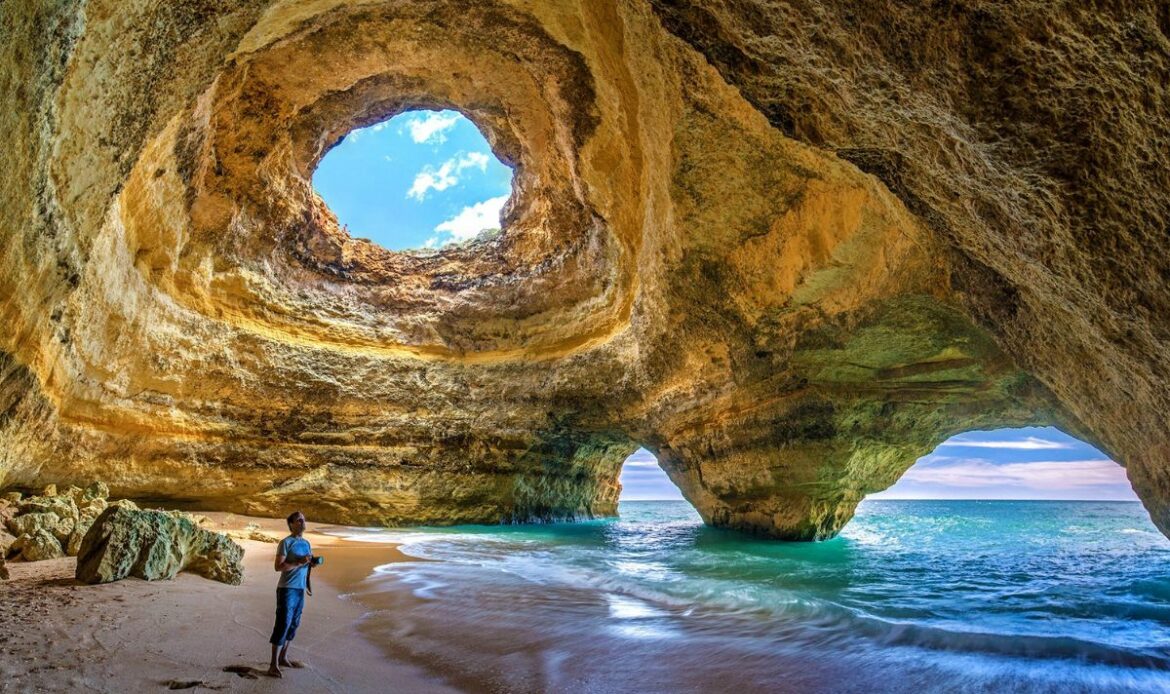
318	561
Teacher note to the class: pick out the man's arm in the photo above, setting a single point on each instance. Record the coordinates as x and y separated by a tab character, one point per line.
283	565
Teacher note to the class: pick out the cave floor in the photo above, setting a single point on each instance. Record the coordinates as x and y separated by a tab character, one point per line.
135	635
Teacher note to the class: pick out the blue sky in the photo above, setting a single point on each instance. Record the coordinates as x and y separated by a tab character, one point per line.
419	180
1029	463
643	480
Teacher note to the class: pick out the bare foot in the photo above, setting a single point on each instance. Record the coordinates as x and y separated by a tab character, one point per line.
292	663
273	671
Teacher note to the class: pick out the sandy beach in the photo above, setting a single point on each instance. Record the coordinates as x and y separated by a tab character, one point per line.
133	635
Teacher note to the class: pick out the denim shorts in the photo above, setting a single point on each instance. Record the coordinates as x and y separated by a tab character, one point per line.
289	604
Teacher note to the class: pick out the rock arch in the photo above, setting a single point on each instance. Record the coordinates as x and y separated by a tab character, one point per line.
788	285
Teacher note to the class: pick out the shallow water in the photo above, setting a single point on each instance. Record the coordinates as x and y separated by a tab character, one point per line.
914	595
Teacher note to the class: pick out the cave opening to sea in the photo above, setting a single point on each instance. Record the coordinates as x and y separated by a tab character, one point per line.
1031	463
986	590
419	181
643	479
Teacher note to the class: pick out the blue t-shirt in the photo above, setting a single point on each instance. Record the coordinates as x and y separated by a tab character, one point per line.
293	548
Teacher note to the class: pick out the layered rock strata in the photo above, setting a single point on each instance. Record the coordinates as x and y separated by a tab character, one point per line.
787	246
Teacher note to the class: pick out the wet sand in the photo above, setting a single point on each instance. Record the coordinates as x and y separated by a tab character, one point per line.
133	635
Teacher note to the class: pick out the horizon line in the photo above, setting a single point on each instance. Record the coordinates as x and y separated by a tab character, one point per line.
921	498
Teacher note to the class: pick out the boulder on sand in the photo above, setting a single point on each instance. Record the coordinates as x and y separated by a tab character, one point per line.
38	546
63	506
87	514
66	516
29	523
154	545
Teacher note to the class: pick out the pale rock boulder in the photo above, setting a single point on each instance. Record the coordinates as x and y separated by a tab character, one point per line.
39	545
58	515
73	544
261	536
154	545
66	516
30	523
87	514
63	506
7	539
63	529
97	490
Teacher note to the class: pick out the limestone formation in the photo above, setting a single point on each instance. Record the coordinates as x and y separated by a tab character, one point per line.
87	514
787	245
66	517
154	545
38	545
7	539
252	531
30	523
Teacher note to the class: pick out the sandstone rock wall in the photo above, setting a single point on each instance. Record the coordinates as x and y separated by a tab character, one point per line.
787	246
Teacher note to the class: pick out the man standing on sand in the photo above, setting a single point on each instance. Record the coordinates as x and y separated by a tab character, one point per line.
294	556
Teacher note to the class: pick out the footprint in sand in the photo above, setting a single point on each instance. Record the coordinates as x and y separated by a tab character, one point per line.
246	671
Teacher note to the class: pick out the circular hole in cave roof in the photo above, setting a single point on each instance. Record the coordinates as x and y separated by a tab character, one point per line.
420	180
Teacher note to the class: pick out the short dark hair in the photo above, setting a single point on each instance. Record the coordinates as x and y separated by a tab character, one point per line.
293	516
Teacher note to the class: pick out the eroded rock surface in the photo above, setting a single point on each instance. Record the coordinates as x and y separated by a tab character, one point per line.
51	524
787	246
154	545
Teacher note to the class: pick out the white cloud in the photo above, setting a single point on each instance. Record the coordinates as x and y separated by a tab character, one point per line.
431	179
1030	443
431	127
1045	476
446	175
641	458
478	160
473	219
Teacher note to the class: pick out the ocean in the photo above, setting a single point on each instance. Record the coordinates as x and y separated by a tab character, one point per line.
913	596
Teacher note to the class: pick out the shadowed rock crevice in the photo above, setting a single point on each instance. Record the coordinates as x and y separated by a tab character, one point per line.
789	246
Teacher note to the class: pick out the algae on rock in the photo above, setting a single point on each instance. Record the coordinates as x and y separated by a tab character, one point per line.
154	545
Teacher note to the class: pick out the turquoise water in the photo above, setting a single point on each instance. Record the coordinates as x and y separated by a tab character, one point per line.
914	595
